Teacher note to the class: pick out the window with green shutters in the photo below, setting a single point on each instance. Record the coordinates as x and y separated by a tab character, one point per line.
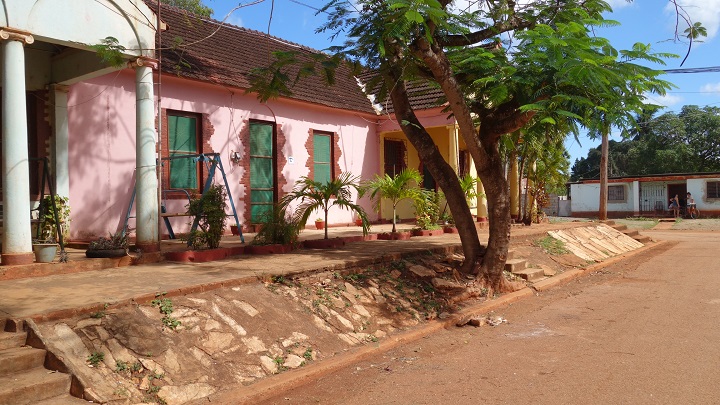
262	170
322	157
183	141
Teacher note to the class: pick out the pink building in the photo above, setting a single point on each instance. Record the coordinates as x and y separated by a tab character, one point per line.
99	124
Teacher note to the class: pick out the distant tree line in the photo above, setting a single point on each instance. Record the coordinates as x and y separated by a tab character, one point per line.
685	142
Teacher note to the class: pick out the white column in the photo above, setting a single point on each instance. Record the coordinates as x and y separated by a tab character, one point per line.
146	200
60	157
17	235
453	148
636	197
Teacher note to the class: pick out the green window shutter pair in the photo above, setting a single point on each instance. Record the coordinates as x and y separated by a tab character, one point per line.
262	176
322	158
182	134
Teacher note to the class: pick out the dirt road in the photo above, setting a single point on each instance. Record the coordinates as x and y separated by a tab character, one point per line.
645	331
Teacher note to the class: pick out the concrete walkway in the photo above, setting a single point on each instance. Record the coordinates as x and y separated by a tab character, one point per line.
60	296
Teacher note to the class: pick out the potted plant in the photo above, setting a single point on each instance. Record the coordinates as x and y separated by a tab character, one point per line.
210	207
114	245
279	233
314	195
427	213
358	221
47	217
44	249
395	189
319	224
45	244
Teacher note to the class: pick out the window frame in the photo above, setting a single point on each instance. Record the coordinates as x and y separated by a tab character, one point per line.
331	149
617	186
198	150
709	185
403	159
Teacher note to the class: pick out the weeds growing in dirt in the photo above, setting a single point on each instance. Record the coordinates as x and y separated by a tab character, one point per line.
551	245
95	358
165	306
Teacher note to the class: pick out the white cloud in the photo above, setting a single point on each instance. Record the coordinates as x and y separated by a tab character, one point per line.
667	100
235	19
706	12
617	4
710	88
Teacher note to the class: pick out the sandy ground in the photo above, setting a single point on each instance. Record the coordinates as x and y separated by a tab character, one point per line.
643	331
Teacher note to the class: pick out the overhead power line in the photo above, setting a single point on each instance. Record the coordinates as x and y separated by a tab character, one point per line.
694	70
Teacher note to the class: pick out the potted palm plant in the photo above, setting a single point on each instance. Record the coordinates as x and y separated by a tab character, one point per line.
395	189
314	195
45	245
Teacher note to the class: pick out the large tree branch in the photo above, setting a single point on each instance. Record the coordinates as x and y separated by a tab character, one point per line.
484	34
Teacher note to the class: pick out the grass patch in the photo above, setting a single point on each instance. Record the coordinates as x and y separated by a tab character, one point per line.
551	245
638	222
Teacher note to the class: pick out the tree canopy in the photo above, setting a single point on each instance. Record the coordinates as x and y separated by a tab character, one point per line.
193	6
684	142
554	73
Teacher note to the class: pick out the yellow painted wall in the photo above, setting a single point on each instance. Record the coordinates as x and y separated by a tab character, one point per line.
441	137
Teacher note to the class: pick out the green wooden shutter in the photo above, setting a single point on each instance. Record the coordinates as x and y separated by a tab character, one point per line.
182	134
262	176
322	158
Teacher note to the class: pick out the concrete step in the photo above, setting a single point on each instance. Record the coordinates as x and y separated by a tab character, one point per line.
642	238
66	399
530	274
608	222
510	254
32	386
619	227
631	232
10	339
514	265
18	359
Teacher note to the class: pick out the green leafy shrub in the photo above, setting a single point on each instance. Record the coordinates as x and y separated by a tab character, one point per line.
278	227
211	209
427	209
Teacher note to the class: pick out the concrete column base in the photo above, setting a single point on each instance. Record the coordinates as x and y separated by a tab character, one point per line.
14	259
147	247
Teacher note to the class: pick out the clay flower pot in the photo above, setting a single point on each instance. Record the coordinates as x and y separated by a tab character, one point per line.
358	222
320	225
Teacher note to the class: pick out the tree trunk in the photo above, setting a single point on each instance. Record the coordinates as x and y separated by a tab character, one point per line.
602	212
497	188
441	171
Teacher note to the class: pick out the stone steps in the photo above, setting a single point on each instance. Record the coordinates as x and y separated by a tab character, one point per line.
530	274
23	376
9	340
31	386
633	233
16	359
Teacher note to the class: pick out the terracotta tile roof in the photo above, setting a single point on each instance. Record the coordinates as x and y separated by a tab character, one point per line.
225	55
423	94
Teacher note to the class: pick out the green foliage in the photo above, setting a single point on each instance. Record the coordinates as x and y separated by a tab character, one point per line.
314	195
395	189
211	208
684	142
100	314
95	358
193	6
48	230
110	52
165	306
551	245
278	227
427	209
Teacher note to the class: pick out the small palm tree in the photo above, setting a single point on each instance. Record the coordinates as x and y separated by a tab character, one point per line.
314	195
394	189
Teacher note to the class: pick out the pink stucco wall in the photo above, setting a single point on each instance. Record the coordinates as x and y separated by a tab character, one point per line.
102	143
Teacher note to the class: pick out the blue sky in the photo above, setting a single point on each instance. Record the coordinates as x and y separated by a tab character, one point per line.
646	21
